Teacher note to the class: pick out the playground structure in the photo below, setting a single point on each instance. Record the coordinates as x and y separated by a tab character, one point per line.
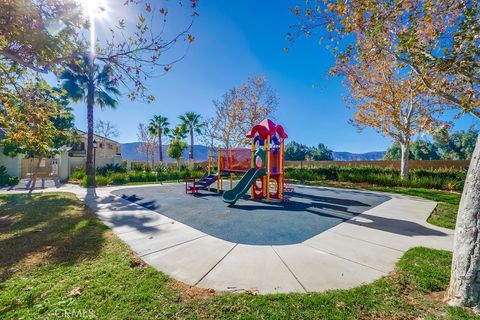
262	166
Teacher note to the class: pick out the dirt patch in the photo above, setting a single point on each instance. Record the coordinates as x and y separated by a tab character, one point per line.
109	235
75	292
6	222
136	262
37	257
189	293
439	296
380	316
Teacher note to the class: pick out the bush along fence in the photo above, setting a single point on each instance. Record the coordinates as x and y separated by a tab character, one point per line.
142	165
444	179
118	175
413	164
5	179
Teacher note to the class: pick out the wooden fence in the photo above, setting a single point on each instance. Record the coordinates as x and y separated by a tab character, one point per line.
413	164
48	167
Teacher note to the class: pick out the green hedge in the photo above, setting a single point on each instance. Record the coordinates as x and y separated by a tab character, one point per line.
119	178
78	174
445	179
7	180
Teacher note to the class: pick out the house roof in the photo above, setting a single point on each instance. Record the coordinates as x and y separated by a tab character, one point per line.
96	135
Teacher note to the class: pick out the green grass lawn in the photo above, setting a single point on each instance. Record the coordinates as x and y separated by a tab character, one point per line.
444	215
58	261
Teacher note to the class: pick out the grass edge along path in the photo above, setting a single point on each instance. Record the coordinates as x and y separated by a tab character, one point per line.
59	261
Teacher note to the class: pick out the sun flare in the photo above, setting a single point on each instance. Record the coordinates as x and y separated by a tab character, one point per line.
93	8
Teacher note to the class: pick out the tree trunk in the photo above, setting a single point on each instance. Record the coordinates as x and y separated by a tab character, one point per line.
191	144
90	104
160	147
464	287
153	157
35	174
404	160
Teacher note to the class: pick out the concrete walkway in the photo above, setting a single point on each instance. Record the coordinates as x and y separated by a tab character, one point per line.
357	251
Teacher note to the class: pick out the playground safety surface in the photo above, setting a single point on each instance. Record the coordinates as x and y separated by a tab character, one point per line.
309	212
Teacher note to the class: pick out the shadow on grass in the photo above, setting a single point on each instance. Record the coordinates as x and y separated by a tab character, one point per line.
47	228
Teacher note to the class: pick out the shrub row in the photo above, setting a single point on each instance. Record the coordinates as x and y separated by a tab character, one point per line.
143	166
445	179
7	180
119	178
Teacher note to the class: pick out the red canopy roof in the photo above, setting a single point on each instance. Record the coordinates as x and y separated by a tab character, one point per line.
265	128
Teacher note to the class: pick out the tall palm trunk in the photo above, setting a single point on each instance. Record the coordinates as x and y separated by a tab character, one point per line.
153	157
464	287
160	147
191	144
90	104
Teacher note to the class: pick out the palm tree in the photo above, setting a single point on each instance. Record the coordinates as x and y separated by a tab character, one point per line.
159	126
179	133
191	121
91	83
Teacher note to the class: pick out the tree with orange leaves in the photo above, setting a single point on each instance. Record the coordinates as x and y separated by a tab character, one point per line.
393	102
439	42
38	120
47	36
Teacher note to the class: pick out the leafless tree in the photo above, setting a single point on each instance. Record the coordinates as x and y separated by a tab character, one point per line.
240	109
106	129
259	101
229	117
207	137
148	143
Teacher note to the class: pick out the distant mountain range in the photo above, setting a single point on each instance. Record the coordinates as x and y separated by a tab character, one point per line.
130	152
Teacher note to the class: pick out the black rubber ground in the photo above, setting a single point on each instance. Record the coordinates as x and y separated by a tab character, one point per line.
309	212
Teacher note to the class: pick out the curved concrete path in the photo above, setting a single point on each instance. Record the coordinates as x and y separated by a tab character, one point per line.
354	252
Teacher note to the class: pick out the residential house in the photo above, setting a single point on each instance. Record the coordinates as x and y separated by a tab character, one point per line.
74	156
108	151
12	164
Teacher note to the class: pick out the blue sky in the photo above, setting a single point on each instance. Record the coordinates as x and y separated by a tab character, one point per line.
237	39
